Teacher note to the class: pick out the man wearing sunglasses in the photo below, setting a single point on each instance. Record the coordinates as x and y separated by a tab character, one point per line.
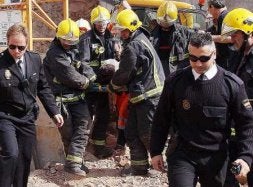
21	80
200	99
96	47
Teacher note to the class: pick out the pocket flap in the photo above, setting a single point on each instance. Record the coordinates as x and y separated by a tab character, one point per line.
211	111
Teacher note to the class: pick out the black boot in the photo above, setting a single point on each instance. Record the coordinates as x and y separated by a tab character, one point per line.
101	151
74	168
85	168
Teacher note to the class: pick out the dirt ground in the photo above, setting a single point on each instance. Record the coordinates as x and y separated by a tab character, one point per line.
103	173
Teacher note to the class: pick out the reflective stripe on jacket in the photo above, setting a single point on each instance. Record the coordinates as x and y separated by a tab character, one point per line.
140	69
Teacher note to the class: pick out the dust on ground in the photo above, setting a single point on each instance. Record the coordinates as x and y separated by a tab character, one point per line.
103	173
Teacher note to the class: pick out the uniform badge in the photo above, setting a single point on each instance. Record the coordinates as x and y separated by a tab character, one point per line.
100	50
186	104
7	74
246	104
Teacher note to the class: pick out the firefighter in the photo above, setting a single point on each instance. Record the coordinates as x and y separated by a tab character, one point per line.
200	99
239	25
22	79
171	39
96	47
83	25
68	78
141	73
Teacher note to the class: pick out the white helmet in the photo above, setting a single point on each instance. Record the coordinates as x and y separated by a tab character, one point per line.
83	25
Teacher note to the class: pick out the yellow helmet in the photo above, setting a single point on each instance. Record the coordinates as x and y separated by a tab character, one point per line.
167	13
127	19
238	19
68	31
99	13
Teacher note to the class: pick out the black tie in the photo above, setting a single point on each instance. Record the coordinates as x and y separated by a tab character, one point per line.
19	67
201	77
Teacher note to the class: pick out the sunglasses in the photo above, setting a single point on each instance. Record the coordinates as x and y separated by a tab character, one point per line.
193	58
20	48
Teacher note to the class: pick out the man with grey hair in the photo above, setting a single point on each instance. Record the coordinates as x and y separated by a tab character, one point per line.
198	101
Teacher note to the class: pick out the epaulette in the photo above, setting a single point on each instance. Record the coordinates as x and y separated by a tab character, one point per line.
233	77
33	52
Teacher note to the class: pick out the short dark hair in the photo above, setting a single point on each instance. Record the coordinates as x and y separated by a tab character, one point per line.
216	3
201	39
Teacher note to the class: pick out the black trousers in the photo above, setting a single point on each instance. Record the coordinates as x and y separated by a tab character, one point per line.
186	168
138	129
99	106
230	178
250	177
75	131
17	138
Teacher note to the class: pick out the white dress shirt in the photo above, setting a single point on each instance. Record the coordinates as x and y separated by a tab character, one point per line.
209	74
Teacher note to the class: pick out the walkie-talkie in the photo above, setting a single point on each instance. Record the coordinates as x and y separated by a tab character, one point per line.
236	168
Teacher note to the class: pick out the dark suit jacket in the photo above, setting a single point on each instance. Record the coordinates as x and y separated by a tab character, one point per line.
18	93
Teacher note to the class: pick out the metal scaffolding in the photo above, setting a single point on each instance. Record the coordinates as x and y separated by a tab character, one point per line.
31	9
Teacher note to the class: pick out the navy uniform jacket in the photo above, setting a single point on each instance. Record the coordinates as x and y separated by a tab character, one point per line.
201	111
17	95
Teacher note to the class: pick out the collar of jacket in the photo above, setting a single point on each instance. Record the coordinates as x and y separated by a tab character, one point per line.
10	59
106	35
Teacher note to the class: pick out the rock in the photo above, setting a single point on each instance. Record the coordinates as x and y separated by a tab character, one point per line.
122	161
59	166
